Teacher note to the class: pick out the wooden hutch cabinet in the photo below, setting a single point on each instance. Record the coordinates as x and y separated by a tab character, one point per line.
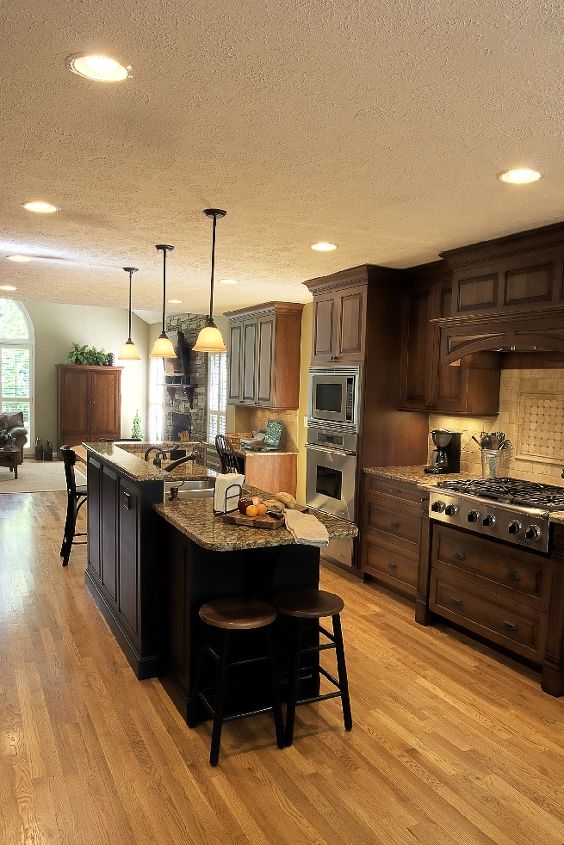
471	385
265	355
89	403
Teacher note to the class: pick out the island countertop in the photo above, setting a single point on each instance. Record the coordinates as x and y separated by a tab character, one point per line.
195	519
128	458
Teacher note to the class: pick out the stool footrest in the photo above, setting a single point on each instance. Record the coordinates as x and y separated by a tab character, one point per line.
315	698
329	677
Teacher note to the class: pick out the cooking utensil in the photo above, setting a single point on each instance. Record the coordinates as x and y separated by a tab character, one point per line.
485	440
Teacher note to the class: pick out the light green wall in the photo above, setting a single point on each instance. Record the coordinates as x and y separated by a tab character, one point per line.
56	328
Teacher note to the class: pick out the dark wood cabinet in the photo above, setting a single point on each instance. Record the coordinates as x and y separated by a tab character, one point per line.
265	355
123	562
89	403
468	386
339	322
393	532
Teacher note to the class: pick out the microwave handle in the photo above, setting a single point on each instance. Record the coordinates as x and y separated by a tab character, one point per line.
316	448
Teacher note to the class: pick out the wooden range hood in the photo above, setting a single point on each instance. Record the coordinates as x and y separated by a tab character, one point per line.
507	294
502	332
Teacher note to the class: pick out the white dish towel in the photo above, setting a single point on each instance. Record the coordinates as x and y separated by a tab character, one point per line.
225	499
306	529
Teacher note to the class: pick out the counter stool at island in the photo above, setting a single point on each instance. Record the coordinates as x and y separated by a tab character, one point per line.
231	616
303	605
76	497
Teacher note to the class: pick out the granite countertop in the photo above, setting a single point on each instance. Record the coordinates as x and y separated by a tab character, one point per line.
417	475
245	452
195	519
128	458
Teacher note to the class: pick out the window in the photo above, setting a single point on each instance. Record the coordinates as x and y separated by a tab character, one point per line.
16	362
156	399
217	394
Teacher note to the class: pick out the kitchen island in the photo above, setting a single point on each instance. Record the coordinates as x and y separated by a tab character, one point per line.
151	563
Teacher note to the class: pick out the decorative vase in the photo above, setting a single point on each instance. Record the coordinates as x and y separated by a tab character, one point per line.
110	359
38	451
48	451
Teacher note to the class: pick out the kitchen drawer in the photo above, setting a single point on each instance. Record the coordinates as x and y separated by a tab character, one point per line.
406	490
392	564
523	573
402	523
505	621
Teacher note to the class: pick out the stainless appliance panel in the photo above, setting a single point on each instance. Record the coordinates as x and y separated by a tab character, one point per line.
334	396
331	481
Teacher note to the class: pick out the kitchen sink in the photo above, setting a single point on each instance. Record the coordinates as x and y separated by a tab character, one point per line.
193	488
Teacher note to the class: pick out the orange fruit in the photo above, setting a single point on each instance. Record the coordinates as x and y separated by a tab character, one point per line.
252	510
261	508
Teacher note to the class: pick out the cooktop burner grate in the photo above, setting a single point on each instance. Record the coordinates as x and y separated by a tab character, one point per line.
511	491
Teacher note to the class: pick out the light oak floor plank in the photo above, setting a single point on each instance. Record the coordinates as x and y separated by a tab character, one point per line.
453	744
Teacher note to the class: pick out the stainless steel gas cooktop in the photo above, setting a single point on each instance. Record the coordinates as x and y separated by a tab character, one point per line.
506	509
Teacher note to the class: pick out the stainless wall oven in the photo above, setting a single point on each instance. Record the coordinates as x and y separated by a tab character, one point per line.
331	480
334	396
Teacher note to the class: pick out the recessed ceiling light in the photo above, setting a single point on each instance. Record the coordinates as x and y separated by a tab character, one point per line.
229	281
7	287
40	207
19	258
97	67
520	176
324	246
175	301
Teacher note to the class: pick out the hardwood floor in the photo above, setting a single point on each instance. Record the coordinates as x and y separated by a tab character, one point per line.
452	743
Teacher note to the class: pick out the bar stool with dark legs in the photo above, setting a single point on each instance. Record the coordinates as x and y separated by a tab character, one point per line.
76	497
303	605
232	615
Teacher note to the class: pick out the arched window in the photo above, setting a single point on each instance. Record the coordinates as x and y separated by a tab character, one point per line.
16	362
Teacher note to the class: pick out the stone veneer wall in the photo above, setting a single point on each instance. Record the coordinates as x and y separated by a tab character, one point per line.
530	413
190	324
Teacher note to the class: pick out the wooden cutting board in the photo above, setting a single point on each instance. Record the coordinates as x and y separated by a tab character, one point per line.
264	521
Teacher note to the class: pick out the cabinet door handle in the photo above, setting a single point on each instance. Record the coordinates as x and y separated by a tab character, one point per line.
513	576
392	565
509	624
454	600
394	524
126	500
459	556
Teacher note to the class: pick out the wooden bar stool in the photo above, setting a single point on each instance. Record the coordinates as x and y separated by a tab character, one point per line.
304	605
231	615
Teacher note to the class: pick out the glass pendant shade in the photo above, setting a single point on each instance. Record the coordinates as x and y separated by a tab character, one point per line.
163	348
129	352
210	340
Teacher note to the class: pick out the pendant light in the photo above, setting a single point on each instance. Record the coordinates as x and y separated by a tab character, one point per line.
162	347
210	339
129	352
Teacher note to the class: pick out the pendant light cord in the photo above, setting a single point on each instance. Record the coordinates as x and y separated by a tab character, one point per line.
129	322
164	287
210	315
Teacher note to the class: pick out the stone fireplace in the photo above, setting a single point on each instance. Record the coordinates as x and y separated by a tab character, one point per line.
179	416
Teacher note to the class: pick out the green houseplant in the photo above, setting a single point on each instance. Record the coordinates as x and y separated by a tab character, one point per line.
136	428
6	439
87	356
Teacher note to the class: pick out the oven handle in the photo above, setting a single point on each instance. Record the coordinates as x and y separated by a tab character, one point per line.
332	450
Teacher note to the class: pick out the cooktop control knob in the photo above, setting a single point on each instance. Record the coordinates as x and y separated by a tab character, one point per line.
488	520
514	527
532	532
438	506
451	510
473	516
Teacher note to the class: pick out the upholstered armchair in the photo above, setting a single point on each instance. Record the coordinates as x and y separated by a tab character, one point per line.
14	424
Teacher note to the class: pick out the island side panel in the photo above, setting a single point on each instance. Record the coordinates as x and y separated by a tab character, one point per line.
192	575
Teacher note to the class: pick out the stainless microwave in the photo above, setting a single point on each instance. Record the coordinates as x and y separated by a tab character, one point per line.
334	396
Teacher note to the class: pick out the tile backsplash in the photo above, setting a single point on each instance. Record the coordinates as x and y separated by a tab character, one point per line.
531	404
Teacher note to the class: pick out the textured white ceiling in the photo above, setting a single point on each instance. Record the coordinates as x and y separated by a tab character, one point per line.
380	126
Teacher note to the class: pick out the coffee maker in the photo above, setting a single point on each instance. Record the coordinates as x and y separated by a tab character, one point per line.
446	456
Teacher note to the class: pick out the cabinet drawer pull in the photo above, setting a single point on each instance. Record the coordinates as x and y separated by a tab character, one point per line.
394	524
392	565
459	556
509	624
513	576
454	600
126	499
